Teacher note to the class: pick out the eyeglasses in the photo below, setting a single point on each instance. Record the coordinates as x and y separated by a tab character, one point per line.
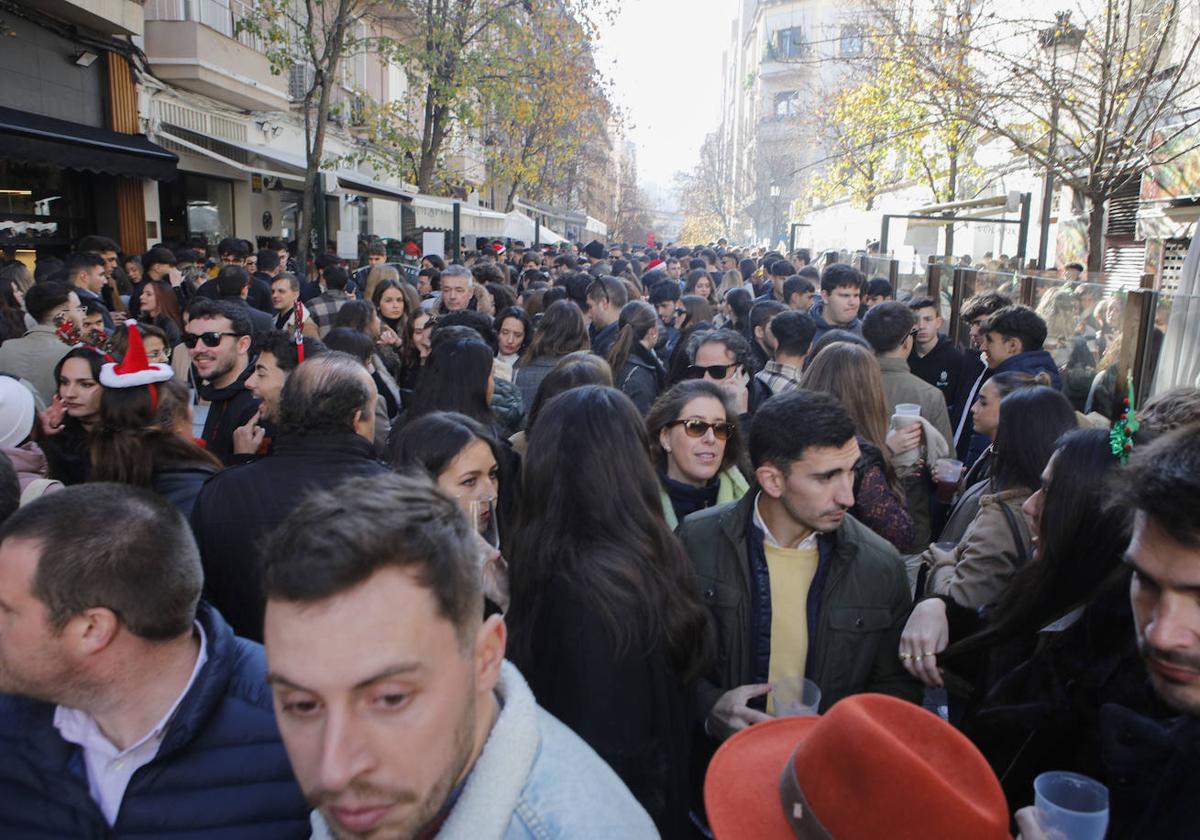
210	339
715	371
679	310
699	428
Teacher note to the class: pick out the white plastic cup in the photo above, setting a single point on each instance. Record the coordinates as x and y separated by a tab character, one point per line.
1070	806
908	409
796	696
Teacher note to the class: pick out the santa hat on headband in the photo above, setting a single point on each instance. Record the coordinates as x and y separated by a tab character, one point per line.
135	369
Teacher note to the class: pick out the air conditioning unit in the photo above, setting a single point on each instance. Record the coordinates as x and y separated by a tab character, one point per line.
300	79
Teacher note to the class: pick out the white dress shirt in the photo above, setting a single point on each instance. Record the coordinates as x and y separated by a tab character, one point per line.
109	769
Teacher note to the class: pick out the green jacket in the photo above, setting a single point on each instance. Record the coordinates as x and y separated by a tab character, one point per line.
733	486
857	609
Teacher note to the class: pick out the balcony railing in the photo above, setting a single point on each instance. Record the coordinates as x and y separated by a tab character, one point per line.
219	15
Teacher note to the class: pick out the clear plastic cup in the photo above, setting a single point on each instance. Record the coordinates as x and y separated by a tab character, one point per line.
1071	806
908	409
948	469
796	696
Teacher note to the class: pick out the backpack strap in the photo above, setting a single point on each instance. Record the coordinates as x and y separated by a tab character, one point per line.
1018	539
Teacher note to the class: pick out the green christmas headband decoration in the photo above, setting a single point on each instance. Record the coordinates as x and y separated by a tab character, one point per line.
1121	436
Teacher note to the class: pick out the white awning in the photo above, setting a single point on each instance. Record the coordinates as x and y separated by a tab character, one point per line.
436	213
519	226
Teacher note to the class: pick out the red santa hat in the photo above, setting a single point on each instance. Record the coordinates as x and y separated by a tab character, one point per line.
653	264
498	247
135	369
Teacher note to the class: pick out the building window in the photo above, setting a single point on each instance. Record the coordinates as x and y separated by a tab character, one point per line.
787	104
852	41
789	43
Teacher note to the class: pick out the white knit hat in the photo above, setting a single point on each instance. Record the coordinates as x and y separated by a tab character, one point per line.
16	412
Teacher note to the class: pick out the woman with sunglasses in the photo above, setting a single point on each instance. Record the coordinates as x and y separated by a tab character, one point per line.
696	447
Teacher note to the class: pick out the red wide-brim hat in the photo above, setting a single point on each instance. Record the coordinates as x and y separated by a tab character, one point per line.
871	767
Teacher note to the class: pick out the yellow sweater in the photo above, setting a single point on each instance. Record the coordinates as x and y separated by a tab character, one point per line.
791	571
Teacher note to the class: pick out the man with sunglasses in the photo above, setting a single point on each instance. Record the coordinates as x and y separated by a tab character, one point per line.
797	587
724	357
218	337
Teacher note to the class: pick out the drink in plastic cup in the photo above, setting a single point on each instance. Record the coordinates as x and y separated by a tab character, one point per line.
1071	806
908	409
947	471
796	697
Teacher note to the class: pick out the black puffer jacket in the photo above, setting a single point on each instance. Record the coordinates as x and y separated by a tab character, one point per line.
221	771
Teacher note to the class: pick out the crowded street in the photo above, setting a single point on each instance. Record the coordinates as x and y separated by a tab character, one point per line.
495	420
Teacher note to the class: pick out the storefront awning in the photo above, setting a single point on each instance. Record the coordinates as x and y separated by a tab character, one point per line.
32	138
355	182
348	180
436	213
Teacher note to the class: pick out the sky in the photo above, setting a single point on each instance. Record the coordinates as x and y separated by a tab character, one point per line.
664	60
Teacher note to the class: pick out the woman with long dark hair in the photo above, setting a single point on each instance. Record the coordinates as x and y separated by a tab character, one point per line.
976	572
396	302
137	443
1027	718
738	302
467	463
606	618
458	377
70	420
696	315
637	372
561	330
977	481
362	317
514	332
696	446
700	283
15	279
852	374
160	307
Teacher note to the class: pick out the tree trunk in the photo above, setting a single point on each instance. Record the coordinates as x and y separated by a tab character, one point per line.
1095	259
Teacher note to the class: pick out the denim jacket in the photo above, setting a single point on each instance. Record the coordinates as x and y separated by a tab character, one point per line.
535	780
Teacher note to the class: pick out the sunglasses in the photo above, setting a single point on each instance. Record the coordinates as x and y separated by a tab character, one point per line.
715	371
698	428
210	339
680	310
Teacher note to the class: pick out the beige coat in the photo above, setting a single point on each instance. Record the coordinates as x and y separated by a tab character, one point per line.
976	572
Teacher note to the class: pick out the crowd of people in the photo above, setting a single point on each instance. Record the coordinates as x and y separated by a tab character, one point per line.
537	544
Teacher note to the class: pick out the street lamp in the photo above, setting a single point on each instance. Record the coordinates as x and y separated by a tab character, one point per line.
774	214
1069	36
